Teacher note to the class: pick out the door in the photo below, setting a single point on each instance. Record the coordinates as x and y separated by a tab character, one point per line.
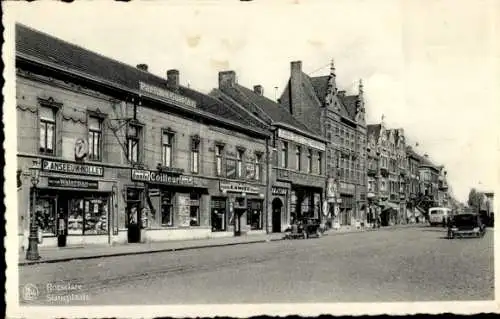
134	218
237	221
277	210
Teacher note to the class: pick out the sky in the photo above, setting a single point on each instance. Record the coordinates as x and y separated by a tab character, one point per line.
430	67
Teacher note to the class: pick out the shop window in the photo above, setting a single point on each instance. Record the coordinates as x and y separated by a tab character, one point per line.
47	130
167	209
284	155
95	138
218	214
88	216
309	161
133	140
195	154
167	145
46	215
239	163
194	209
218	159
254	214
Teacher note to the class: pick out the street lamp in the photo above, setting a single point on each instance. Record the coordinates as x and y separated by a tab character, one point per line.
32	252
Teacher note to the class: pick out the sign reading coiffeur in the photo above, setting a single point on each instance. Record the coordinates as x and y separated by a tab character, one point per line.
160	178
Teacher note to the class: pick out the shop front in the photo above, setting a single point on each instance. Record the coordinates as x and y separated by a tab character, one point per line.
165	205
73	204
347	209
279	199
237	209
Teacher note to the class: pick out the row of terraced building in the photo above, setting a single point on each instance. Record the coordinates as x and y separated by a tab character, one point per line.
128	156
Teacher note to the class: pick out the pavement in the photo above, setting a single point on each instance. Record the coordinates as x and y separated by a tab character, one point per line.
64	254
397	264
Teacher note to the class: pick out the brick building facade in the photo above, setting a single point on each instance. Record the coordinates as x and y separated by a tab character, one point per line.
340	118
297	155
127	156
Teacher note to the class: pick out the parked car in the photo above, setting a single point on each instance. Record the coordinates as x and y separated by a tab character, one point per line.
306	228
466	225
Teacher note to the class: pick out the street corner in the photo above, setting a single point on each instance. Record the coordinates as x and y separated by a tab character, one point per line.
62	293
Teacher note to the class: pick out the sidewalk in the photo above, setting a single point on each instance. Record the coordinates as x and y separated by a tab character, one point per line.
54	254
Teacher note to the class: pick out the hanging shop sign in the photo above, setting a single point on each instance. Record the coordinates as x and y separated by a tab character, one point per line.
280	191
72	168
140	175
166	94
238	188
72	183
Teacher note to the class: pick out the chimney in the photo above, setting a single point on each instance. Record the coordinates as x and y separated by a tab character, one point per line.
258	90
173	80
296	107
227	79
143	67
426	155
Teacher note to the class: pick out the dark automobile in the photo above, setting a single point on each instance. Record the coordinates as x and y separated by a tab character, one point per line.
466	225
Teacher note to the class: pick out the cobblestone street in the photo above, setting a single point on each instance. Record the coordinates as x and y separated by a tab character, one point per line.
408	264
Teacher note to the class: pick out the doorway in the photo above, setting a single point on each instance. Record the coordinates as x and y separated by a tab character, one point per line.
277	206
237	221
134	218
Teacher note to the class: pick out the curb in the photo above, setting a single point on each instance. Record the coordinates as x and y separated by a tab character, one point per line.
154	251
51	261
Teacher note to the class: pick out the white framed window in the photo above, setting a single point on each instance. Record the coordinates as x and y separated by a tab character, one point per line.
284	155
133	140
195	154
95	138
239	163
258	166
218	159
47	130
167	141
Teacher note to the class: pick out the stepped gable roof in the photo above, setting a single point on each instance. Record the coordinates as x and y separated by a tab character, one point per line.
374	130
53	50
348	103
276	113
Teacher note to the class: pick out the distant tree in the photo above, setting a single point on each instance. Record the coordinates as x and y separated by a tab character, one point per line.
474	199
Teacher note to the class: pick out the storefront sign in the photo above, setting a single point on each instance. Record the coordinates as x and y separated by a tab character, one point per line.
346	188
72	168
160	178
238	188
301	139
280	191
166	94
300	178
72	183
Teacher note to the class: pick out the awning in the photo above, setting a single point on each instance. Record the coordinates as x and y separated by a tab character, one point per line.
390	205
419	211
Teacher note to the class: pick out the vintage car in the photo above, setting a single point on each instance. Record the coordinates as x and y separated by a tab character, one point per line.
466	225
304	229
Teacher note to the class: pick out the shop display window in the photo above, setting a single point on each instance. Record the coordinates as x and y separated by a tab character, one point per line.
46	212
88	216
254	214
194	208
167	209
218	215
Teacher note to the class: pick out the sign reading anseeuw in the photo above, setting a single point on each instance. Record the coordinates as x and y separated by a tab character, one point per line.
72	168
